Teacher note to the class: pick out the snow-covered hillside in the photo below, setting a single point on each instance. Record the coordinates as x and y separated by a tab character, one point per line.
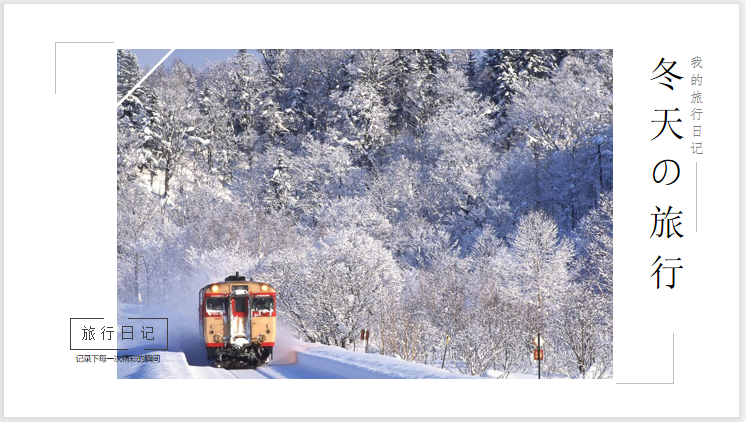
420	194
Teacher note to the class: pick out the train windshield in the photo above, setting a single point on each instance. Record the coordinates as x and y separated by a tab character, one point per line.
239	304
216	305
263	304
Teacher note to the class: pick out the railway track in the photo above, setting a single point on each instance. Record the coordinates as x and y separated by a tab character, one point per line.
262	372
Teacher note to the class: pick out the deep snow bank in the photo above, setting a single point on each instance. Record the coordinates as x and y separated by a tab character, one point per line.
341	363
336	362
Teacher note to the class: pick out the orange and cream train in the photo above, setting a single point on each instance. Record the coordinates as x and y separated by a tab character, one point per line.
238	321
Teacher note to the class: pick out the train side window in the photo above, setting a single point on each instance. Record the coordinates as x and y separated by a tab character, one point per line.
216	305
240	305
263	304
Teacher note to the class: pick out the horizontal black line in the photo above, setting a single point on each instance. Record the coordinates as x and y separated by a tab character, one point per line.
99	349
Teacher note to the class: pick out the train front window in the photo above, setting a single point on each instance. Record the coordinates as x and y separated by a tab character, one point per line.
216	305
240	304
262	305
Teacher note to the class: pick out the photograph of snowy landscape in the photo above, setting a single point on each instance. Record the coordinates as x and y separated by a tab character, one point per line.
453	203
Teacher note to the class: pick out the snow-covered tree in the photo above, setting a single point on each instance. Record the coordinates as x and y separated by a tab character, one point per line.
362	119
309	79
325	173
456	155
596	232
276	118
177	94
280	191
128	75
337	287
137	210
542	260
583	334
509	70
561	113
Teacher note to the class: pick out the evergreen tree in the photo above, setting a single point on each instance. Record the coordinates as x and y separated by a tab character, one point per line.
509	70
128	75
276	118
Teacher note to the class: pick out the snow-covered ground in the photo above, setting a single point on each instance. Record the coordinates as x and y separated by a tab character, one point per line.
186	358
294	359
512	375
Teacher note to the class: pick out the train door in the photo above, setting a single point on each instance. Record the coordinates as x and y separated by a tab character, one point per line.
216	321
239	320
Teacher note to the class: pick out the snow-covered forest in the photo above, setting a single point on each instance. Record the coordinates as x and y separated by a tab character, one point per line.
416	193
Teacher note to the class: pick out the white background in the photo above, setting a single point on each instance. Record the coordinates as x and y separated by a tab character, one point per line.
60	203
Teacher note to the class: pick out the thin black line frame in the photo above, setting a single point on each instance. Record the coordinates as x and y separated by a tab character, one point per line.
673	368
166	332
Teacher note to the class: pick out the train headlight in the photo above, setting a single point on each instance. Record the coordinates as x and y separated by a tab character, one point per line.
215	288
264	287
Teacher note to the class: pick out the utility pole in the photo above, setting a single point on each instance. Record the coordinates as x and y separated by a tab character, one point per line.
539	351
448	339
